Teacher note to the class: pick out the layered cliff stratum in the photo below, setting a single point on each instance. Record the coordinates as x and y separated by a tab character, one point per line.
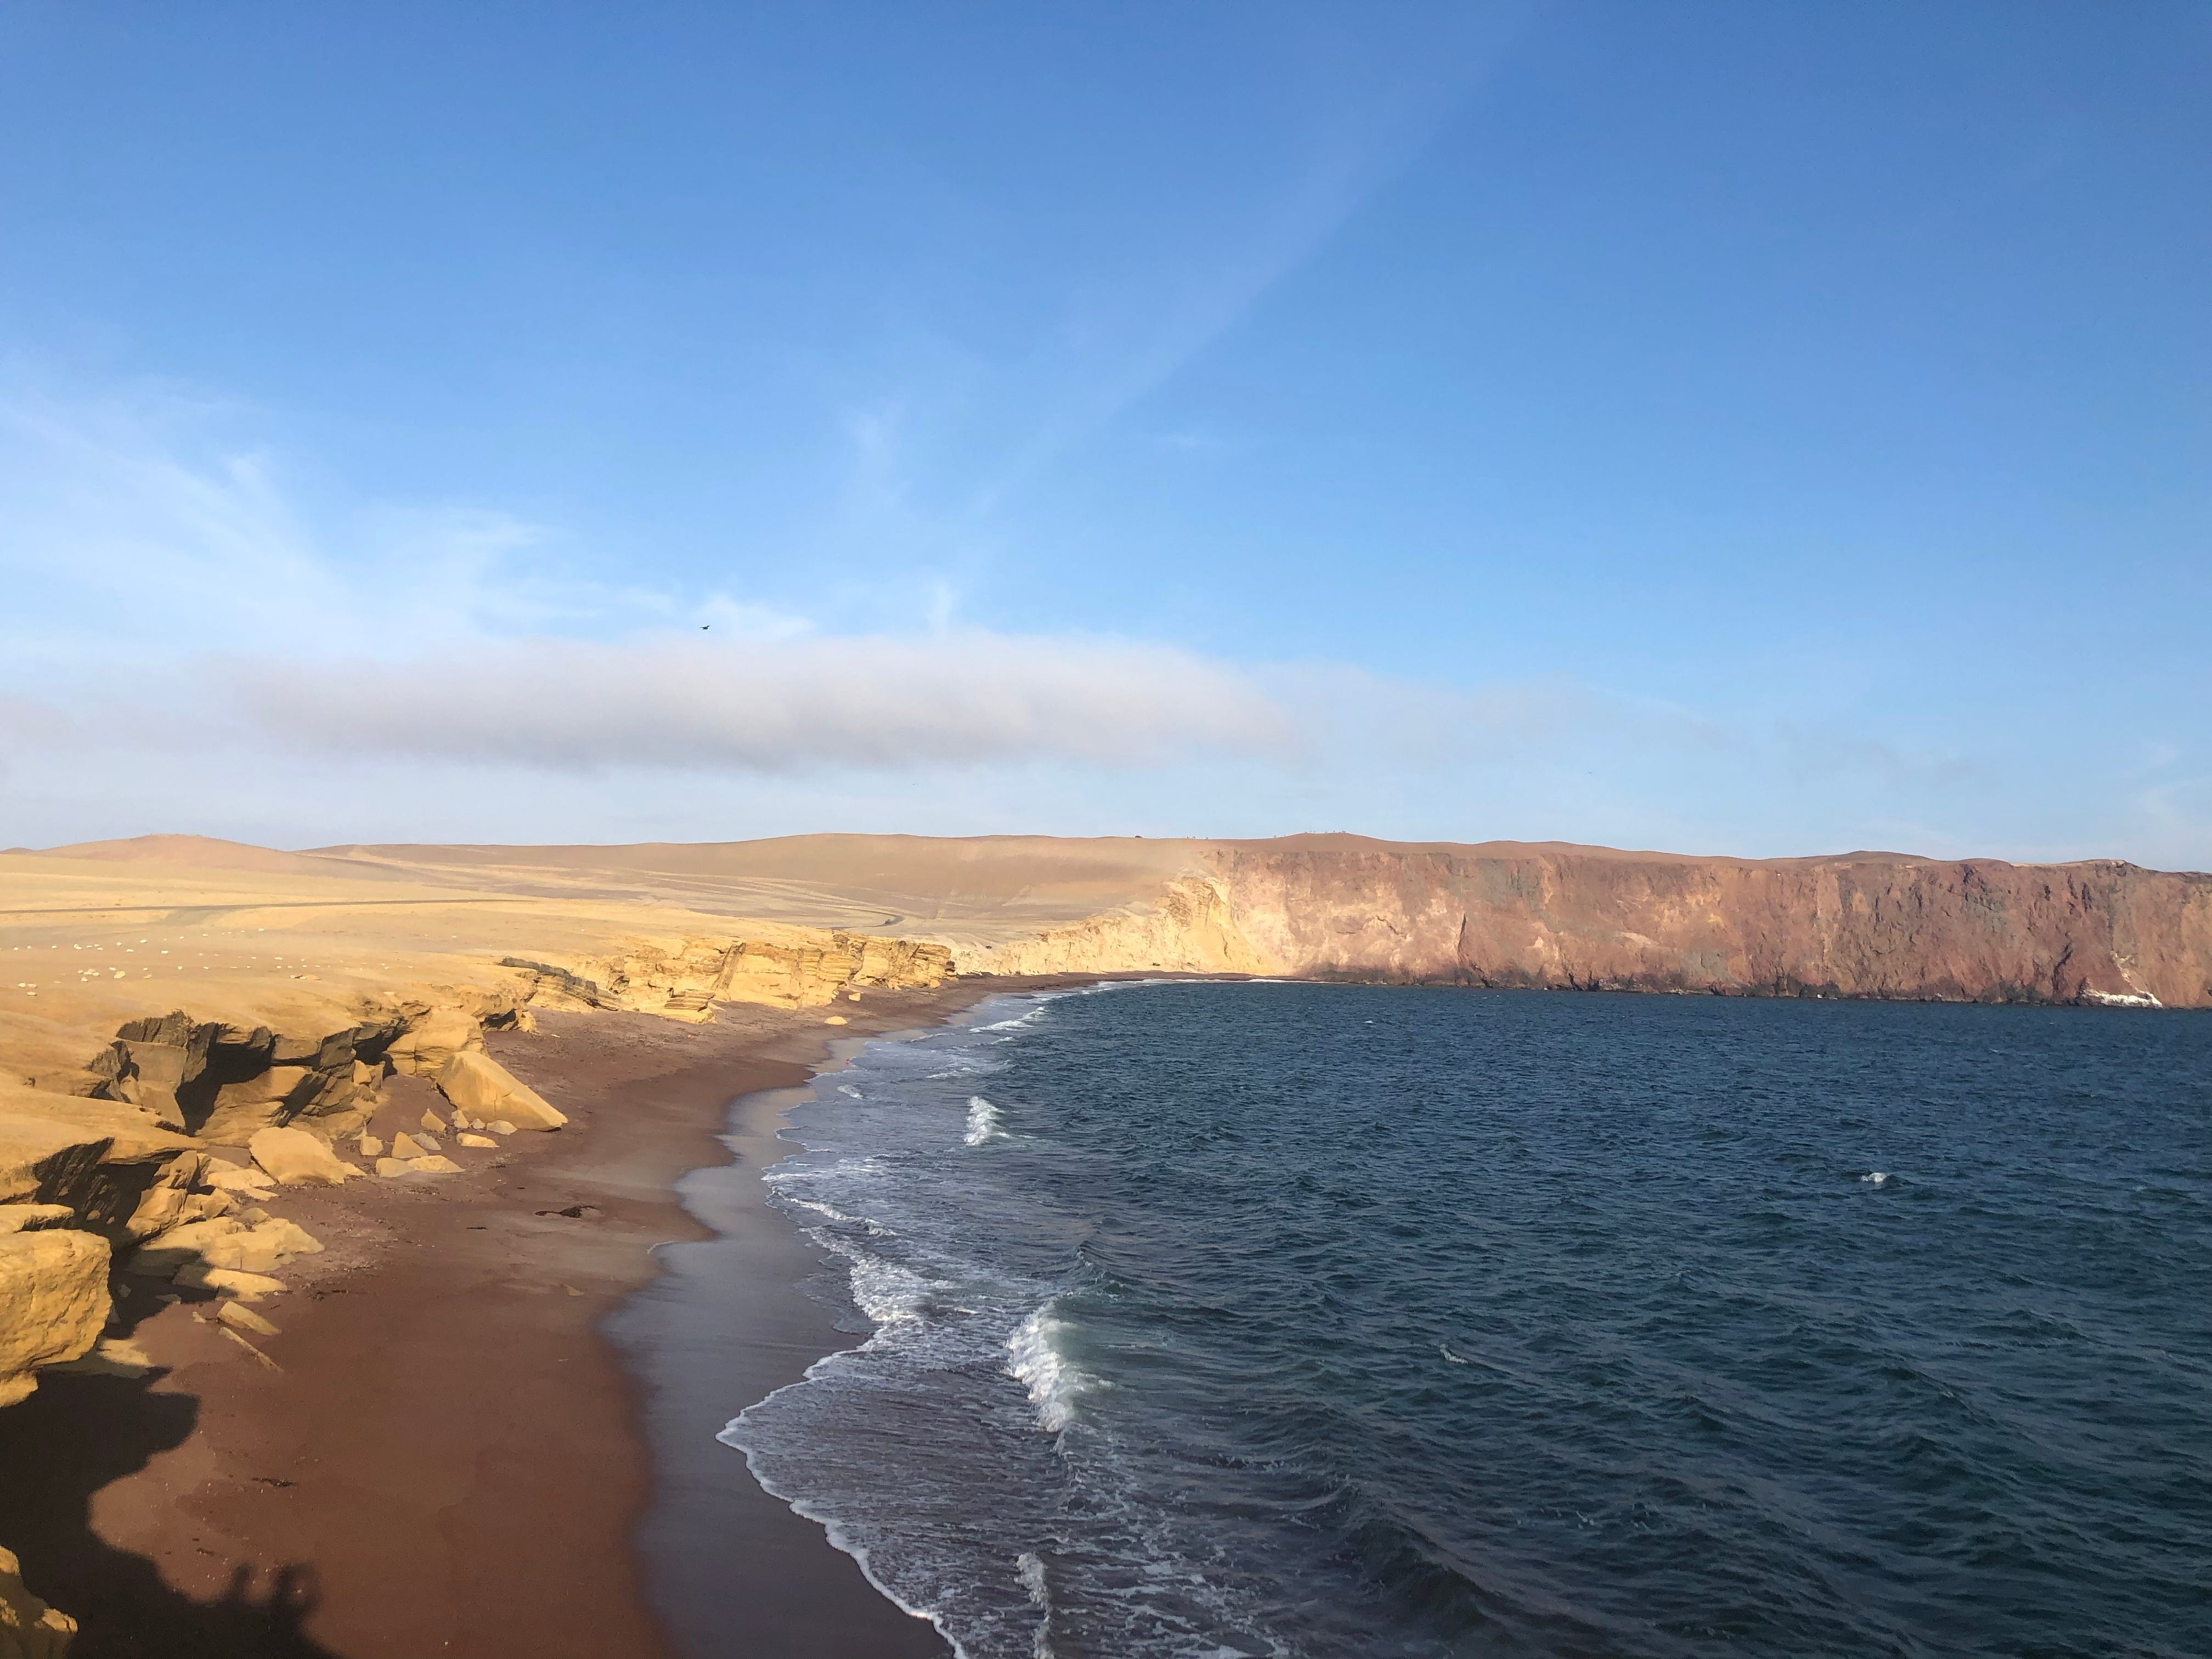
1547	915
187	1027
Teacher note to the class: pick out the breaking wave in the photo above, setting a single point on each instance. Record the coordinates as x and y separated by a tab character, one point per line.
1306	1321
982	1121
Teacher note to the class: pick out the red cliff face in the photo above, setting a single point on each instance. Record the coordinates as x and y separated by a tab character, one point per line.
1860	925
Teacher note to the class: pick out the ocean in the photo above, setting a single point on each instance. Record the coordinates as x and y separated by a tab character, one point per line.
1197	1319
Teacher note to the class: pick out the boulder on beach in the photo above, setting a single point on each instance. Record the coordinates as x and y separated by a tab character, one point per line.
296	1156
229	1281
427	1164
240	1317
226	1242
479	1085
252	1181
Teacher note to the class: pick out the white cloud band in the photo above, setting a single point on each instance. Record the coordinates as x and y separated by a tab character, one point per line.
670	701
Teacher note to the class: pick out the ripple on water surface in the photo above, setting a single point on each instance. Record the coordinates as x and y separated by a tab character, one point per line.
1290	1319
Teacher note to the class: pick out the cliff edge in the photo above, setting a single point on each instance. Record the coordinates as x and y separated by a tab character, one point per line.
1876	924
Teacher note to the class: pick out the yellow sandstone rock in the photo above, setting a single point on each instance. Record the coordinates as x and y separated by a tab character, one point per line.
226	1242
371	1146
262	1358
29	1629
433	1123
34	1217
91	1155
229	1281
479	1085
253	1182
53	1288
300	1156
271	1098
240	1317
424	1048
392	1166
475	1141
404	1147
434	1164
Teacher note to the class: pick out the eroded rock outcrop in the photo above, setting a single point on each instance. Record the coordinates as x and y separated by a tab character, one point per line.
107	1162
433	1038
817	971
53	1286
791	968
221	1083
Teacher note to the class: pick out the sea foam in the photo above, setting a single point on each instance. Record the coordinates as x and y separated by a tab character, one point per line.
982	1121
1033	1580
885	1292
1034	1360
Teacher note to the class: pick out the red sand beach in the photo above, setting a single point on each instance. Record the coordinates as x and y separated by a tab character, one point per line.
449	1458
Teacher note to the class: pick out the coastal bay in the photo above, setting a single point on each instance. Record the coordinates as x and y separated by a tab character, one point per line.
479	1401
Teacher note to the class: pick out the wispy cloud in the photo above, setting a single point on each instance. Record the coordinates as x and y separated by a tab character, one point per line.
196	637
678	702
179	595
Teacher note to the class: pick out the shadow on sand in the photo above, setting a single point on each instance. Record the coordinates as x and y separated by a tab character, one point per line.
70	1438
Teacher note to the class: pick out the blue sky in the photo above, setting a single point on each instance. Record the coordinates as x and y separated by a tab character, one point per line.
1748	428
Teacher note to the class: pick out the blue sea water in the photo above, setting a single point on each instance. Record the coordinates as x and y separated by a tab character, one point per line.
1245	1319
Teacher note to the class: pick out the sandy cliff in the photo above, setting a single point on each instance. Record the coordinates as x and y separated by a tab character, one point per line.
1859	925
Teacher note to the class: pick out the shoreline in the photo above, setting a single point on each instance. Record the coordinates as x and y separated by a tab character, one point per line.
458	1451
728	1321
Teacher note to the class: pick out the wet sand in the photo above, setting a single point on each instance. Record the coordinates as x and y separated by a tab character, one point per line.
450	1460
726	1325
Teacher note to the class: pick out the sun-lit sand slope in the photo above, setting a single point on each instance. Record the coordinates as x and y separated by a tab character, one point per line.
98	935
972	893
